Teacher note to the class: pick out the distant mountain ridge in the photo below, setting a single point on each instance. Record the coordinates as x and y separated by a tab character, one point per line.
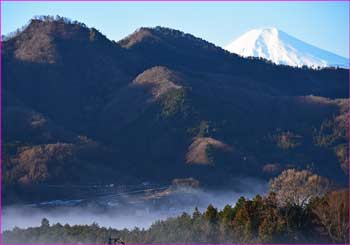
159	105
281	48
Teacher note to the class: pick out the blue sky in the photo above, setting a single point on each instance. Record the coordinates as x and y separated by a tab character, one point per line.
323	24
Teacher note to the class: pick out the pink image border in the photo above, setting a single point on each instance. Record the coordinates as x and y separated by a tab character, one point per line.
182	1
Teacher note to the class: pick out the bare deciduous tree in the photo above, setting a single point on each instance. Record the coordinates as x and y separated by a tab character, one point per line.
293	187
333	214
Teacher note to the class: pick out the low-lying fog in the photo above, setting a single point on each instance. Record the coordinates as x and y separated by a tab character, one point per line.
133	207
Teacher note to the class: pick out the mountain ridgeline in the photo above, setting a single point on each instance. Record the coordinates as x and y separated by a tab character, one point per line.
157	105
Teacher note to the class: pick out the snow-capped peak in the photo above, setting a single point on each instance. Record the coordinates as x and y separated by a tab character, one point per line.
279	47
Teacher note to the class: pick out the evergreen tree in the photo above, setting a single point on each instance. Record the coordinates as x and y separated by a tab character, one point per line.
211	214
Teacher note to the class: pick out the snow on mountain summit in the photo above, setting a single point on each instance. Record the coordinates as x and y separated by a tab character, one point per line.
279	47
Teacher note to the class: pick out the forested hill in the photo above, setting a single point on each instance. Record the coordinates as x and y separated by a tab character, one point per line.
160	104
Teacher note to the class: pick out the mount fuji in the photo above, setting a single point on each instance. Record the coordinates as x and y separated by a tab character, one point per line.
281	48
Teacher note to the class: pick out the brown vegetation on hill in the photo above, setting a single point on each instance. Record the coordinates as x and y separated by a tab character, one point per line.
160	98
198	150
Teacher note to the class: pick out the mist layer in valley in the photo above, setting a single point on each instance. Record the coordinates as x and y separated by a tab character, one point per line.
128	206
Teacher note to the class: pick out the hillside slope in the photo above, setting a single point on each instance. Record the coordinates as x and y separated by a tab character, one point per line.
135	109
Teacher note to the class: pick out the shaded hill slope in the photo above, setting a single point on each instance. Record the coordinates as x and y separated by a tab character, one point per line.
142	104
